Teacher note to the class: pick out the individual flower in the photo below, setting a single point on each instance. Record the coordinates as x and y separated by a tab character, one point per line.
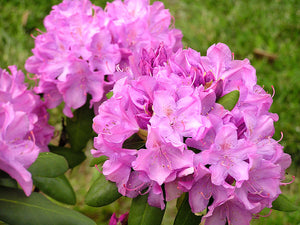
24	131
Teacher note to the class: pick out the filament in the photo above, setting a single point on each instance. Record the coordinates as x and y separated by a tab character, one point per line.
98	168
292	181
273	91
207	198
133	189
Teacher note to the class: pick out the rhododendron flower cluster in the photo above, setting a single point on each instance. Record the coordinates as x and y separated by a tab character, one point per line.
168	105
84	45
24	129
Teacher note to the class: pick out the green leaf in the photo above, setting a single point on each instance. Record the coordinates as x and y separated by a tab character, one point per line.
141	213
48	165
8	182
185	216
96	161
229	100
102	192
109	95
282	203
73	158
57	188
79	127
17	209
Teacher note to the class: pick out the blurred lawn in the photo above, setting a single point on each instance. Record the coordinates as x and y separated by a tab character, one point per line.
271	26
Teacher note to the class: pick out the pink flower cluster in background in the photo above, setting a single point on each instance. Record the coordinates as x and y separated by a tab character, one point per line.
24	128
84	45
225	159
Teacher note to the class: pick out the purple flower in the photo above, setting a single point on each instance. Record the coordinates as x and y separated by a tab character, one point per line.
161	159
24	131
262	187
227	156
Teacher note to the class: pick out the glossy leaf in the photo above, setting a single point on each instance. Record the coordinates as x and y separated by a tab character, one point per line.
36	209
79	127
229	100
185	216
141	213
48	165
282	203
73	158
102	192
57	188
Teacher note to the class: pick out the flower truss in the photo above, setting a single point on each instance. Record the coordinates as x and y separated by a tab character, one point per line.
185	139
24	129
84	45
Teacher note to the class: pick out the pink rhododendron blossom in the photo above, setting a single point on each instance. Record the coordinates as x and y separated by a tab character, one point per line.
166	105
24	129
83	46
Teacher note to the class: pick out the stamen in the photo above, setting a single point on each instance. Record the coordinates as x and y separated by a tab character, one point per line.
292	181
31	35
118	69
273	91
194	76
172	22
232	54
146	192
134	189
256	192
281	133
207	198
33	138
98	168
257	216
38	30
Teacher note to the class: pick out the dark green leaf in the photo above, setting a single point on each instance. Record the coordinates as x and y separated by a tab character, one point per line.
8	182
141	213
79	127
134	142
17	209
229	100
185	216
102	192
96	161
48	165
282	203
73	158
57	188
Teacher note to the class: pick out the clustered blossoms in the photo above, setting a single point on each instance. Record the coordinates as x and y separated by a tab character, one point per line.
24	129
84	45
168	103
165	130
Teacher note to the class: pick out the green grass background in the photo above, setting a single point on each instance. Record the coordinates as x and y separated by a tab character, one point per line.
272	26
